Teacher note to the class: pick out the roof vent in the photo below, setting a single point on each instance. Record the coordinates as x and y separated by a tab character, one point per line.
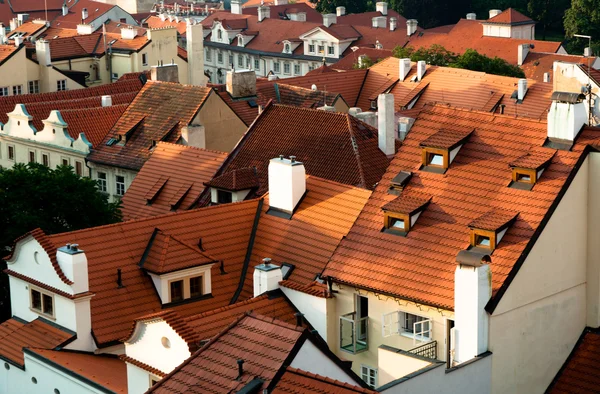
493	13
240	364
84	15
471	16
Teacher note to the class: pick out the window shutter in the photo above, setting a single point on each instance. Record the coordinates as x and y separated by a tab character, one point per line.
390	324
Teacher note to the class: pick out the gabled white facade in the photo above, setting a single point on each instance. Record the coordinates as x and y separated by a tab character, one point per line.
317	38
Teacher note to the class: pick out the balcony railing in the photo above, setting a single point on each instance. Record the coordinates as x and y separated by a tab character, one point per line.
354	333
428	350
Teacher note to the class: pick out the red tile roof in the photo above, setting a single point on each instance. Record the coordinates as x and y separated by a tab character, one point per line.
511	17
16	334
282	93
150	119
536	63
493	220
166	162
141	365
105	370
534	159
256	3
297	381
25	6
351	59
366	19
420	267
225	231
312	15
29	28
579	374
154	22
331	145
73	18
236	180
94	122
6	51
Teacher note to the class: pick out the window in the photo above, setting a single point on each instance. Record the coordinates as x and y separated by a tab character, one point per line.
196	286
219	34
177	290
286	68
17	89
369	375
247	62
297	69
331	50
61	85
102	181
240	40
31	156
481	240
434	159
311	49
523	178
65	162
231	60
11	152
223	197
240	61
220	57
397	224
277	67
42	302
144	59
34	87
321	49
79	168
287	48
208	55
402	323
3	91
46	159
120	183
256	64
373	104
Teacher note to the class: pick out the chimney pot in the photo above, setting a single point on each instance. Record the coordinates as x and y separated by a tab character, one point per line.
329	19
411	27
421	68
293	159
340	11
471	16
493	13
266	261
382	6
522	89
287	184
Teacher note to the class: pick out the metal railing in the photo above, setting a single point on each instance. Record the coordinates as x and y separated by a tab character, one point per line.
428	350
354	333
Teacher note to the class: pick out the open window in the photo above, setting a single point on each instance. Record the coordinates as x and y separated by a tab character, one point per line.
487	231
417	327
527	169
401	214
440	149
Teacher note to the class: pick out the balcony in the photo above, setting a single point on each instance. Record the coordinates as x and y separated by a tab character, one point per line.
354	333
428	350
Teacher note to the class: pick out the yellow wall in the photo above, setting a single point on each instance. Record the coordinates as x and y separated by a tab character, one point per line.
222	126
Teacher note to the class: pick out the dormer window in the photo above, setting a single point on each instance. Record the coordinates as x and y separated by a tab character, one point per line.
440	149
240	40
487	230
401	214
527	169
287	48
219	34
233	186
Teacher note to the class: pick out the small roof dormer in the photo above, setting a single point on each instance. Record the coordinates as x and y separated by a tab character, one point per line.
487	231
440	149
398	182
233	186
401	214
527	169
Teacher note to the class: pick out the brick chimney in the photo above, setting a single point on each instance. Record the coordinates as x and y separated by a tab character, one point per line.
165	73
385	124
266	277
195	51
287	183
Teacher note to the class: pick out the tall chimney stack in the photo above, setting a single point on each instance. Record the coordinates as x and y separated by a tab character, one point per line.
266	277
385	123
404	68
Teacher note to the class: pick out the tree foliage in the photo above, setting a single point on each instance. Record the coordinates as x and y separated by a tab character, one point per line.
436	55
34	195
583	18
365	62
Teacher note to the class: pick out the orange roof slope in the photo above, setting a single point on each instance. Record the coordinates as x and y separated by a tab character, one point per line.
283	93
333	146
297	381
105	370
263	343
224	230
95	123
256	3
180	189
455	87
154	22
579	374
245	109
16	334
350	60
511	17
157	113
536	64
73	17
420	267
6	51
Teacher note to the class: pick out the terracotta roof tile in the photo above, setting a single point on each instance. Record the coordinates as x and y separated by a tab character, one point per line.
256	3
149	119
413	94
239	179
105	370
314	288
348	61
295	96
73	18
579	374
493	220
420	267
167	162
277	11
29	28
142	365
534	159
407	203
511	17
95	123
154	22
297	381
246	109
16	334
445	139
536	64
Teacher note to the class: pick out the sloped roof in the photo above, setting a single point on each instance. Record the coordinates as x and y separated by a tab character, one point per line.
297	381
246	109
157	113
95	10
235	180
537	63
16	334
278	11
181	187
35	5
579	374
282	93
331	145
6	51
420	267
105	370
348	61
510	16
94	122
256	3
154	22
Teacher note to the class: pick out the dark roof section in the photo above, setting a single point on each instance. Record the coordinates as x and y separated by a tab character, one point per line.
240	179
408	203
445	139
535	159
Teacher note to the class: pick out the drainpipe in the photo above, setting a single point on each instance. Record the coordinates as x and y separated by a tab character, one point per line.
265	66
109	60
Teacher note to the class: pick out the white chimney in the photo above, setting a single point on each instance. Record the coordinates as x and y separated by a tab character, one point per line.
379	22
382	6
522	89
567	116
241	83
546	77
404	68
65	9
340	11
22	18
266	277
493	13
236	7
287	183
2	34
194	135
354	111
385	123
128	33
74	265
421	68
106	101
18	41
83	29
162	17
411	27
84	15
522	54
471	16
472	291
329	19
587	51
13	24
393	23
264	12
195	51
281	2
42	52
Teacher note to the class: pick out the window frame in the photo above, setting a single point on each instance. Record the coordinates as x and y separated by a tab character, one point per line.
17	90
331	50
102	182
221	193
518	173
311	48
200	279
220	57
366	370
118	192
33	86
78	168
61	85
144	59
297	69
171	282
427	155
42	310
321	49
289	68
240	60
478	233
4	91
208	55
277	67
11	148
389	217
257	64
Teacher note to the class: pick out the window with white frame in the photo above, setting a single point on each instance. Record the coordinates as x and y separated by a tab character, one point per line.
120	184
41	302
3	91
287	48
240	61
208	55
219	34
286	68
17	89
102	181
311	49
331	50
34	87
297	69
407	324
220	57
61	85
230	60
247	62
369	375
321	49
256	64
277	67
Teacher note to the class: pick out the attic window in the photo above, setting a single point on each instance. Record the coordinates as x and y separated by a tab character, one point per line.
527	169
373	104
286	270
399	182
401	214
440	149
487	231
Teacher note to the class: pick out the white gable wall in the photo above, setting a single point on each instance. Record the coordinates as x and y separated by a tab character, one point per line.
311	359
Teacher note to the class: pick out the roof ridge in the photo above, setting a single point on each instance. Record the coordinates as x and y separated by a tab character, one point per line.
478	111
187	147
275	321
332	381
226	308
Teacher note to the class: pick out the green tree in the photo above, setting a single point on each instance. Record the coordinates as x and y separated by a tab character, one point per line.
403	52
366	62
58	200
435	55
473	60
548	13
583	18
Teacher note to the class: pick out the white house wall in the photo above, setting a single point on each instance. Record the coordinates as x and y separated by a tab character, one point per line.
543	312
593	244
315	309
311	359
138	380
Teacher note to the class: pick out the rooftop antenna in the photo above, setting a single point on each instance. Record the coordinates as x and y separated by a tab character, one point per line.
588	87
